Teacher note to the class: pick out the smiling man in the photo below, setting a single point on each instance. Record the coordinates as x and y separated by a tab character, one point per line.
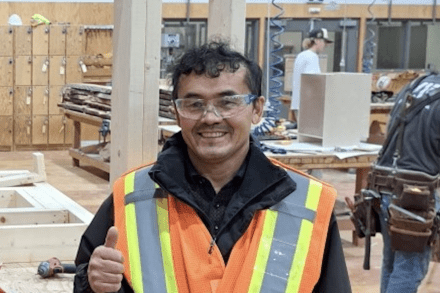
213	213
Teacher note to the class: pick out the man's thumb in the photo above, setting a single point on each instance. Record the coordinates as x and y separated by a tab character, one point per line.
112	237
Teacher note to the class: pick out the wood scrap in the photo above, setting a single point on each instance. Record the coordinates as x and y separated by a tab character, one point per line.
23	178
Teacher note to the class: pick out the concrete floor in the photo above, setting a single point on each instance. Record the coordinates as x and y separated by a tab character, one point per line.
89	187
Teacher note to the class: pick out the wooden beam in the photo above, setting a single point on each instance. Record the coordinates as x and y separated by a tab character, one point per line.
16	179
227	19
135	93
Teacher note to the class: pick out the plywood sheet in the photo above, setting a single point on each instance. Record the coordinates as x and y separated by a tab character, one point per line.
6	131
75	41
23	40
57	70
6	71
99	42
6	101
40	101
40	70
55	97
22	100
56	129
40	40
23	70
40	129
6	35
73	69
57	40
22	130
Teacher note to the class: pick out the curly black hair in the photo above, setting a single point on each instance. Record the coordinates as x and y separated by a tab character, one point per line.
212	59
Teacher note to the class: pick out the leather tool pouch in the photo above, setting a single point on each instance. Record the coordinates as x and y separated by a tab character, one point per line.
359	216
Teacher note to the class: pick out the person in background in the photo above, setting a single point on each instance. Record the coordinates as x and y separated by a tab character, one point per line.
307	62
213	213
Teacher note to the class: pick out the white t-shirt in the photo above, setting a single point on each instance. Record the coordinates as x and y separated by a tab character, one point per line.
306	62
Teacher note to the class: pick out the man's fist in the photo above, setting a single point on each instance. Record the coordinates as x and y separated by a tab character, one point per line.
106	265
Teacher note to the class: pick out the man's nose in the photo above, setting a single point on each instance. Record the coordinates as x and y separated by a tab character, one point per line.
211	108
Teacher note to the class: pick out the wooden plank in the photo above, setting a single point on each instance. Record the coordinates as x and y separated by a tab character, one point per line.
6	123
135	91
57	70
56	129
6	71
69	131
57	40
23	40
40	100
92	160
6	45
40	125
33	216
23	70
227	19
6	100
22	100
83	118
40	40
40	70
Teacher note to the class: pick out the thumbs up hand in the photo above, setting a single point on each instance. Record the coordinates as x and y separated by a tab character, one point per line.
106	265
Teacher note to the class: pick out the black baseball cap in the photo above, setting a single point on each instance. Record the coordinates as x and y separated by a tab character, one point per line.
320	33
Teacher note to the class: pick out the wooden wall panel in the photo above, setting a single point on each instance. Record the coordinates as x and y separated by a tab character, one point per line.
23	40
22	130
73	69
22	100
55	97
56	129
57	40
40	100
99	42
23	70
6	71
40	40
40	129
40	70
6	35
6	133
57	70
6	101
75	41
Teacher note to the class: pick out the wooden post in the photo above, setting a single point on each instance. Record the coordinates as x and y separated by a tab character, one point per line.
135	93
227	19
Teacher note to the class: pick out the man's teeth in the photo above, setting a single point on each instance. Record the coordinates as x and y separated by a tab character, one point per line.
212	134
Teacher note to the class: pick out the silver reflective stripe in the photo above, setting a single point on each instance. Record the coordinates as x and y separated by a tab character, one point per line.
147	228
291	212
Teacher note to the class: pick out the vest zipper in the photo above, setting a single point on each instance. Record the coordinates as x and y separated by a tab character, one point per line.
211	246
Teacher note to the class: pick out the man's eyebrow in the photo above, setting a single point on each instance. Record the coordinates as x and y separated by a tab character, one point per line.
191	95
228	93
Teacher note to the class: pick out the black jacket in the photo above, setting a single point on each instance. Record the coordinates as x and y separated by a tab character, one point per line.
263	186
421	135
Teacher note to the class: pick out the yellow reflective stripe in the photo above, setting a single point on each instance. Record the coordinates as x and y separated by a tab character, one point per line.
313	194
304	239
129	183
133	248
165	243
263	252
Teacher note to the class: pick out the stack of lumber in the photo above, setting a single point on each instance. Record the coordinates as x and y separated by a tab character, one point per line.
90	99
166	104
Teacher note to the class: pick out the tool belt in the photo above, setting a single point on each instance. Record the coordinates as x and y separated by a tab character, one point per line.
412	212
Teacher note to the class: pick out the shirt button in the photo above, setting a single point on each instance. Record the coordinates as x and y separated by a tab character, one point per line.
216	227
217	206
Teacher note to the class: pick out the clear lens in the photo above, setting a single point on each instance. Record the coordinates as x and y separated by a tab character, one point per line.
226	106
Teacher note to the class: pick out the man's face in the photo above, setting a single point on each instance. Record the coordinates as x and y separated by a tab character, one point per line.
213	139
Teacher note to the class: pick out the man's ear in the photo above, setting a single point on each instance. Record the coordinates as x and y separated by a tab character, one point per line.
257	111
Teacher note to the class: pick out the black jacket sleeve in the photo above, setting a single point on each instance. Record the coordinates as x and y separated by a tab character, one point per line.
93	237
334	274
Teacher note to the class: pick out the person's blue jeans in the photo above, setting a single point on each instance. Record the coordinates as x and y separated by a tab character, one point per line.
402	272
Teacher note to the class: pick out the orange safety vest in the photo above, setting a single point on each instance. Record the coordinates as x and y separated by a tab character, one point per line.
166	246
